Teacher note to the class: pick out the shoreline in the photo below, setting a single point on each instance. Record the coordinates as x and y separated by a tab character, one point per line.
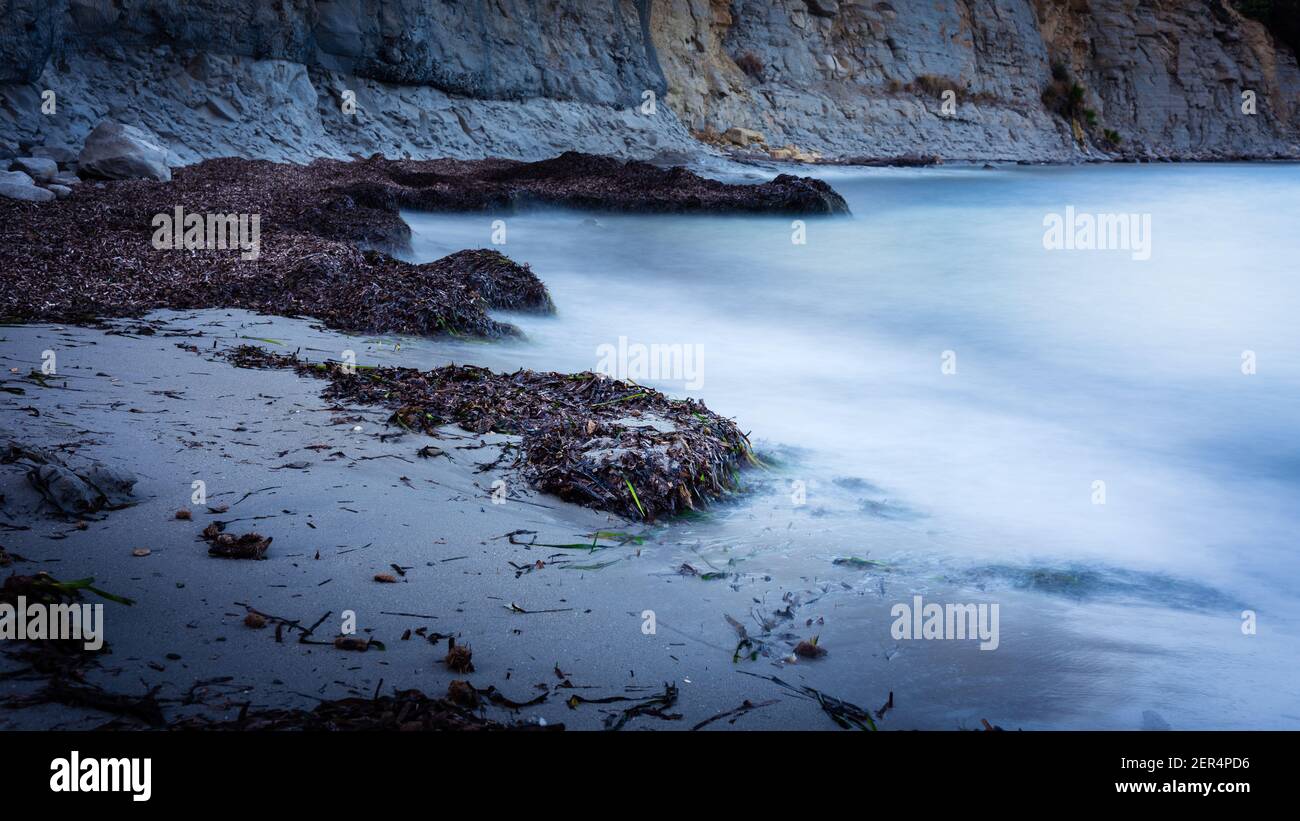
361	209
543	618
316	252
331	227
593	657
505	579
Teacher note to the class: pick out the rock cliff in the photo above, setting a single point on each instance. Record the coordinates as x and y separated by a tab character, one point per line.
960	79
1154	78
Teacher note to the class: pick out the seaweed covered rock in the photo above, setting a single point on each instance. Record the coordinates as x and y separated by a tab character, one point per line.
371	192
585	181
370	291
505	284
323	238
585	437
97	256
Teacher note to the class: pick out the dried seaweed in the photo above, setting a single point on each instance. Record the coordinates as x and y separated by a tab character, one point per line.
745	707
656	706
224	545
406	710
646	457
326	232
844	713
54	658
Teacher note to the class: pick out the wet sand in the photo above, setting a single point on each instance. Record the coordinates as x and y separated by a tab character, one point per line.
363	500
291	467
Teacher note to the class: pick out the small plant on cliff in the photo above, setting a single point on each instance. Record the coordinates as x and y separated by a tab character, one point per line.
933	85
1064	96
751	65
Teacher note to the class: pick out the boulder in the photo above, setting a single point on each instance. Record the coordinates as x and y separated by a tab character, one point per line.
120	152
66	178
59	191
41	169
73	489
76	493
57	153
742	136
793	152
18	186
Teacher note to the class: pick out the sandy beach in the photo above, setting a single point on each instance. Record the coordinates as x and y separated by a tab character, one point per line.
345	498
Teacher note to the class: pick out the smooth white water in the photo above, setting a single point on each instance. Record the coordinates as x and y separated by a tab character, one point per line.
1072	367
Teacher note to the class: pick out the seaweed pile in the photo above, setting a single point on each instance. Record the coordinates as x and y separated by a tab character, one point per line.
92	256
576	180
326	234
96	260
586	438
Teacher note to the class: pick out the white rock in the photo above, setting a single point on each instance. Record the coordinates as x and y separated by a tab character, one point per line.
40	169
742	136
57	153
18	186
121	152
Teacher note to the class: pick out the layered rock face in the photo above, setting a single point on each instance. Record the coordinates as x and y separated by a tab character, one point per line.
868	78
1170	75
846	79
294	79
